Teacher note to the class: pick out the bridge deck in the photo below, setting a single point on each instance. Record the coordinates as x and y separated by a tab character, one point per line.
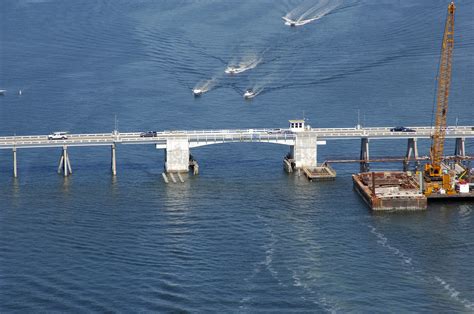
207	137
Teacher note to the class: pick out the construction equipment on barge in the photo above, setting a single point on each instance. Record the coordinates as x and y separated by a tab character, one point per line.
440	179
443	180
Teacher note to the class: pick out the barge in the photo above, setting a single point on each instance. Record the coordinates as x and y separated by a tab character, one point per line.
388	191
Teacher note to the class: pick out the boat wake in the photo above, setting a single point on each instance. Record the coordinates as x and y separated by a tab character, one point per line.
243	65
307	13
204	86
422	275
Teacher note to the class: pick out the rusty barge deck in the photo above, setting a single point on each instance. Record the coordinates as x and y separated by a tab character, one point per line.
386	191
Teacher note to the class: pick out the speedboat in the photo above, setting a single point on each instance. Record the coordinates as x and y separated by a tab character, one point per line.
249	94
235	70
3	91
231	70
198	92
289	22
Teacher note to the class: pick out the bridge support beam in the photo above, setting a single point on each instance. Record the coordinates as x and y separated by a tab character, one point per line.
113	161
64	163
177	155
15	169
364	155
460	147
304	152
412	150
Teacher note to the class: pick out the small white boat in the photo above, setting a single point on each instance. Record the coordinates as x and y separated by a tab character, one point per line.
3	91
249	94
288	21
235	70
230	70
198	92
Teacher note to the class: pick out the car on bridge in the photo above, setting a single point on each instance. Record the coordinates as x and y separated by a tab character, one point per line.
58	136
148	134
401	129
279	131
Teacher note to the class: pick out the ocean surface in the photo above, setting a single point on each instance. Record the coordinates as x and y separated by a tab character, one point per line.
243	236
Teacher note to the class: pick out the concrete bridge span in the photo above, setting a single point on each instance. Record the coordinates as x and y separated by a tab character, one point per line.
302	141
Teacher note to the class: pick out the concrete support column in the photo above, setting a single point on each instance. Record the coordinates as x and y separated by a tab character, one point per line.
364	155
412	150
113	161
304	152
460	147
177	154
15	170
64	163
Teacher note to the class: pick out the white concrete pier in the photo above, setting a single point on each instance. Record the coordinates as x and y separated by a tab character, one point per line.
64	163
113	161
304	152
15	168
177	154
412	151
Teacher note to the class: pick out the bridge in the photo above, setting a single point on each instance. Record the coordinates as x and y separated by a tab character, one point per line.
303	141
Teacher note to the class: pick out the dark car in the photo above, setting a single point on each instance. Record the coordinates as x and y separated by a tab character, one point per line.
148	134
401	129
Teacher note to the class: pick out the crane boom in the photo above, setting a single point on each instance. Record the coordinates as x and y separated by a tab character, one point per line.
444	81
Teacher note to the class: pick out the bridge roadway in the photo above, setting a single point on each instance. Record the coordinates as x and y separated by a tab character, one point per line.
208	137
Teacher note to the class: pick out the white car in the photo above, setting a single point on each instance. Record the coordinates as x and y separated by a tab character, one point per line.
58	136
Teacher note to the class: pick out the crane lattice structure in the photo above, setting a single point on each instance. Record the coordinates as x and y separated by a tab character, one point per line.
444	81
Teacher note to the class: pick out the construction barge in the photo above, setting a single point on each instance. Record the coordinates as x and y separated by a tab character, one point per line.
390	191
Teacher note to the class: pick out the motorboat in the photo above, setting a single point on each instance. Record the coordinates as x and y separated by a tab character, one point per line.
3	91
235	70
249	94
289	22
197	92
231	70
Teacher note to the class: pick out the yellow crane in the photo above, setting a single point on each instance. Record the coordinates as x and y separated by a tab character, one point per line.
433	170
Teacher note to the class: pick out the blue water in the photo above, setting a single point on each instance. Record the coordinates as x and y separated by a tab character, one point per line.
243	236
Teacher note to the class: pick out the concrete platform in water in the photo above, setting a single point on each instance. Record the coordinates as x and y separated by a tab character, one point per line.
390	191
320	173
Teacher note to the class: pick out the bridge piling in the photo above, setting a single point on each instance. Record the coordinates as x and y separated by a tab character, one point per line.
15	169
460	147
113	161
412	149
64	163
364	155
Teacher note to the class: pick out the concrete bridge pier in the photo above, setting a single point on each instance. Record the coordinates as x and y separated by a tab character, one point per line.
460	147
15	169
364	155
113	161
64	163
412	150
177	155
304	153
